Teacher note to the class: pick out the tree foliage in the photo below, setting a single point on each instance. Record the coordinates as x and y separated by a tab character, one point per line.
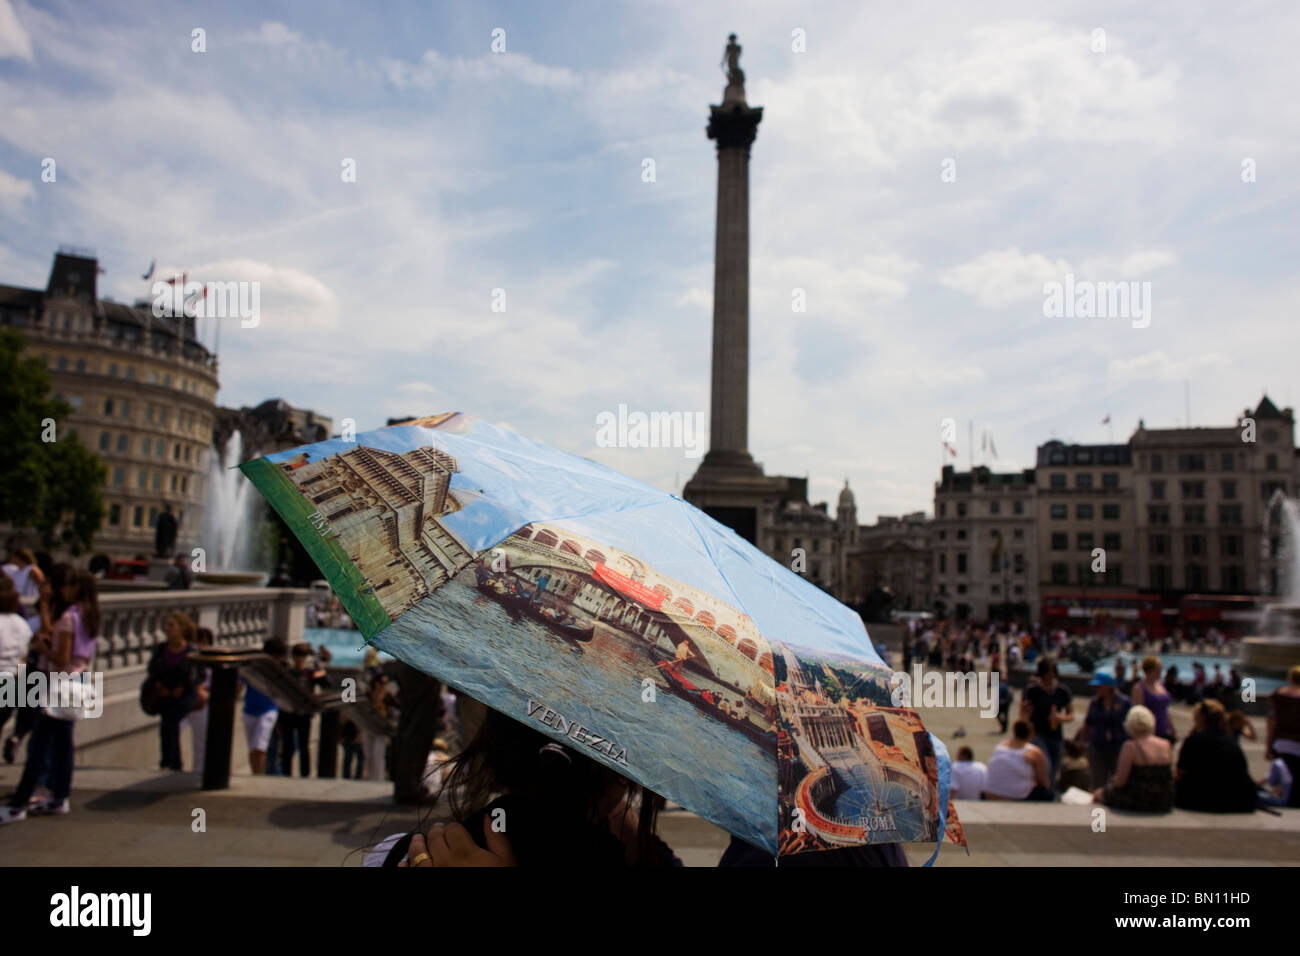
50	487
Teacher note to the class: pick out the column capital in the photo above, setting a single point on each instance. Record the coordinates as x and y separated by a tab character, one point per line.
734	125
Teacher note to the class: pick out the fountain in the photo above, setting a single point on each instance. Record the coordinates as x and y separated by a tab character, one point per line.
230	520
1277	649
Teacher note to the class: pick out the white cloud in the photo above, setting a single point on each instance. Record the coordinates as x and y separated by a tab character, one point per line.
1004	276
14	39
14	191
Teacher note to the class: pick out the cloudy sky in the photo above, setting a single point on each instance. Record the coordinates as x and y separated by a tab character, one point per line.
1114	156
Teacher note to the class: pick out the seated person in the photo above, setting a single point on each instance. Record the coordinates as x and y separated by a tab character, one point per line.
1018	769
968	776
1143	775
1212	775
1074	769
1275	789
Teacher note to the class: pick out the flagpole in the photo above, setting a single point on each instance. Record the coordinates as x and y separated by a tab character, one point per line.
970	437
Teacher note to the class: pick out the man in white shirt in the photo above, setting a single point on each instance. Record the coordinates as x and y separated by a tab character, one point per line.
968	776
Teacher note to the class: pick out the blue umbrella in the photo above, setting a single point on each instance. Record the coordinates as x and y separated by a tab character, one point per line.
622	621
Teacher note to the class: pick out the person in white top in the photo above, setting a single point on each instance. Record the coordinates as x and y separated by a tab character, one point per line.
968	776
1018	769
15	638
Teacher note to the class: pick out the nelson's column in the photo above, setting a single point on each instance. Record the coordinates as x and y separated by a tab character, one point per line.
729	485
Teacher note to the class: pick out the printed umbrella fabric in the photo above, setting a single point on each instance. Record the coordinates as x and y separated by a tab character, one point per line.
622	621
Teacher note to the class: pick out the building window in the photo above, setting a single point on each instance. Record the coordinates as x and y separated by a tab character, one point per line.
1110	541
1110	512
112	369
1157	462
1058	480
81	365
995	507
961	563
115	515
148	414
1228	489
961	534
1271	462
1083	479
1234	578
108	406
961	509
943	564
137	518
1162	577
1159	544
1230	545
63	363
122	440
146	446
1191	462
176	455
1193	489
1018	507
943	509
1019	565
1115	574
157	481
1060	573
1157	514
1195	545
1194	514
1060	512
142	479
1228	461
1083	512
1060	541
1110	479
130	371
1085	541
1229	514
1018	534
1195	577
943	535
119	477
1158	490
105	441
153	517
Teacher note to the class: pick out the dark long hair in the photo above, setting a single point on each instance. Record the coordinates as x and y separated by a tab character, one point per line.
507	757
87	595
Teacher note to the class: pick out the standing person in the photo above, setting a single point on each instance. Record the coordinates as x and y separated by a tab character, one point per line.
15	639
1150	693
1283	740
376	744
1143	778
260	712
1212	774
176	680
164	535
1019	770
69	649
198	718
178	577
49	608
294	727
350	735
1046	705
1103	730
27	578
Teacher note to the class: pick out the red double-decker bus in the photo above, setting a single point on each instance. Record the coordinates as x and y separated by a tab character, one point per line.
1234	614
1092	611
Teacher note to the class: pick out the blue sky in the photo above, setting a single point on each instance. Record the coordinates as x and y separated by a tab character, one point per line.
522	171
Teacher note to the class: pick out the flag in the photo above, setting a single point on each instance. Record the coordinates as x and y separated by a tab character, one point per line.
992	447
1106	420
149	275
984	440
952	451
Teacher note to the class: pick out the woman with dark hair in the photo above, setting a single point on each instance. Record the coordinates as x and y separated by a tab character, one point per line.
49	607
556	807
69	649
1212	774
176	679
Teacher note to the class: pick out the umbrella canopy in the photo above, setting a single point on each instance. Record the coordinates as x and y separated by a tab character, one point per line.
621	621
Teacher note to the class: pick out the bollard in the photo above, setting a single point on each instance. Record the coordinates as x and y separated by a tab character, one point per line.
221	727
327	757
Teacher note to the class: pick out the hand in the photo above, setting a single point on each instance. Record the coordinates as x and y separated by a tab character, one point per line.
451	845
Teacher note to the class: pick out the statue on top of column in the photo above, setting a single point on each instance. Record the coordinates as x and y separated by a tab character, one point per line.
731	58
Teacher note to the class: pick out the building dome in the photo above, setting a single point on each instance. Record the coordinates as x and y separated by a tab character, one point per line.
846	496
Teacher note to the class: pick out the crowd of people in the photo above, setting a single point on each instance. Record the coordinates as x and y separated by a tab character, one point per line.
1125	750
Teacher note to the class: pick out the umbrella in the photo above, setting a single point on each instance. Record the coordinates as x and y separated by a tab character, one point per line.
622	621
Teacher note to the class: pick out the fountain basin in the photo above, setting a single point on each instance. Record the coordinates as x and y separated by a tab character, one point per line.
231	579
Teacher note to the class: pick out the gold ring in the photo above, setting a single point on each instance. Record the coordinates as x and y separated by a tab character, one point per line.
419	859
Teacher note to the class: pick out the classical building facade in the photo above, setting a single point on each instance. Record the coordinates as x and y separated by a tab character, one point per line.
1085	502
983	542
1206	506
893	554
142	390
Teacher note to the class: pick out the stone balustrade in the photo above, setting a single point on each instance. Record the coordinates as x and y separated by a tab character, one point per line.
132	624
